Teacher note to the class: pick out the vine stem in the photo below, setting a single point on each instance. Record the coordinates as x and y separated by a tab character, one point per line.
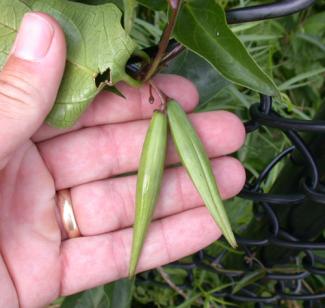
166	278
175	7
161	95
172	285
172	54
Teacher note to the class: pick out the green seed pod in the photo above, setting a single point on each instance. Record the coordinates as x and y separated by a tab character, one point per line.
148	182
197	163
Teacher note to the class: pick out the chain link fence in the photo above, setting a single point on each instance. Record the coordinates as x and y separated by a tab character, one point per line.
281	243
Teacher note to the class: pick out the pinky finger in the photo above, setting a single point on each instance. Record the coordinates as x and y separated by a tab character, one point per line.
96	260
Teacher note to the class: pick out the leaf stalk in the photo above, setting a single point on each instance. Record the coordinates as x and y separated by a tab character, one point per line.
175	7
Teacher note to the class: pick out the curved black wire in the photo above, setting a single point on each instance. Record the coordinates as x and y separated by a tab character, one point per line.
267	11
272	119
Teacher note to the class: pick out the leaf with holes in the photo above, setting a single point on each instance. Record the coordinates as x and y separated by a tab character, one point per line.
97	44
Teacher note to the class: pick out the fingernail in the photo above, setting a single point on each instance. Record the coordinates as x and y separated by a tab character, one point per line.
34	38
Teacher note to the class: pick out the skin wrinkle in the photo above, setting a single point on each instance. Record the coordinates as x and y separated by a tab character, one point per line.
61	271
12	84
179	172
10	276
3	162
130	198
163	235
7	112
137	104
121	267
53	197
141	107
47	165
91	113
26	88
16	169
2	253
118	196
16	78
113	144
64	262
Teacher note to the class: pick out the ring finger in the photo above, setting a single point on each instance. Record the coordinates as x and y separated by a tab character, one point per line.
106	206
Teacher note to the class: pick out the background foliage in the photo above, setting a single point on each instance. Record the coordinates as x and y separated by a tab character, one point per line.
292	51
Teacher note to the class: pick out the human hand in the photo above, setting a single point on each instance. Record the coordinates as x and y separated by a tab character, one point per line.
94	158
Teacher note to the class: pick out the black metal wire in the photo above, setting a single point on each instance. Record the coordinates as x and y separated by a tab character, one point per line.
272	119
287	285
267	11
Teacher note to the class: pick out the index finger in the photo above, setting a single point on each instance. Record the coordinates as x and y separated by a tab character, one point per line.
108	108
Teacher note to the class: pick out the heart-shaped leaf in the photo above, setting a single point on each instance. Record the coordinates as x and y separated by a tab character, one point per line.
201	26
97	43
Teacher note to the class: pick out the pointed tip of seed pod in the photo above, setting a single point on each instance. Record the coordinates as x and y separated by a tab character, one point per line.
231	240
234	245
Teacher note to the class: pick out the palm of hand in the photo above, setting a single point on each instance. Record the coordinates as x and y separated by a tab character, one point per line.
36	265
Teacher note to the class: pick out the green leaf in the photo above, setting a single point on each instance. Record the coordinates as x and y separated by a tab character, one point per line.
11	12
114	90
154	5
129	14
248	279
188	303
93	298
301	79
97	44
207	80
315	24
71	301
118	3
120	293
117	294
201	26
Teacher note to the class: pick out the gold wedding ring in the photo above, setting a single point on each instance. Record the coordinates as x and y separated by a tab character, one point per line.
67	215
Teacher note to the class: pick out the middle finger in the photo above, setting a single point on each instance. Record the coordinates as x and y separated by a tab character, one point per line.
105	151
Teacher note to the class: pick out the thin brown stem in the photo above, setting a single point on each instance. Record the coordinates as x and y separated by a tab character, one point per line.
161	95
173	3
151	98
172	54
308	287
167	279
175	7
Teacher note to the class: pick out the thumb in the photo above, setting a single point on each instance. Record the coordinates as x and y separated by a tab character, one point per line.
29	81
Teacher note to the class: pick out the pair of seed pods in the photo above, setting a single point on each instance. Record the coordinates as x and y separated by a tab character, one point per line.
195	160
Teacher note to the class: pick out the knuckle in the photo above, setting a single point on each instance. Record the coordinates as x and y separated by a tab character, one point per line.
18	96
